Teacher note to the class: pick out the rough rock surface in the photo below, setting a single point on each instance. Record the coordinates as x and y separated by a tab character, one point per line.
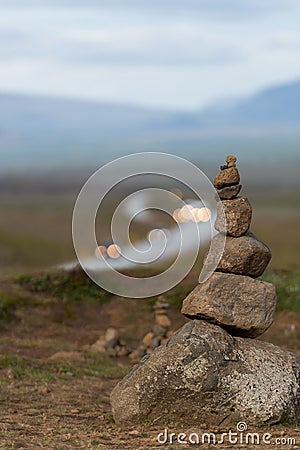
245	255
229	192
242	305
227	177
230	161
205	375
238	213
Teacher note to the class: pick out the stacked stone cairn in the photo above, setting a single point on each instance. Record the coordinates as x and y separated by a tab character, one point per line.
232	298
212	371
159	333
110	343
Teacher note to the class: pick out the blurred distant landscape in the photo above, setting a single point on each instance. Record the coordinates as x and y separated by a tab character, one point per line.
52	133
49	147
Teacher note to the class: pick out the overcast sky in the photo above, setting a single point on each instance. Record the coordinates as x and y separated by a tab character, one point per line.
181	54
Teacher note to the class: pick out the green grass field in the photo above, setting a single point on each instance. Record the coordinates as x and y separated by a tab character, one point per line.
35	230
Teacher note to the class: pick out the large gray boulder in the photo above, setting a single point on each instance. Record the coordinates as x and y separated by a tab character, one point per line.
240	304
238	213
245	255
205	375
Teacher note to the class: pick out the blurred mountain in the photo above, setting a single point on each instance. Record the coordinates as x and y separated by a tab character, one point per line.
277	106
39	132
24	116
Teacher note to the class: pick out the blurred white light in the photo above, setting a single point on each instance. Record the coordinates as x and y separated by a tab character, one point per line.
176	215
101	252
203	214
185	213
194	213
114	251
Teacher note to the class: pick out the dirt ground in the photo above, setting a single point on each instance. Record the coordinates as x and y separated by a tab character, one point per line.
55	391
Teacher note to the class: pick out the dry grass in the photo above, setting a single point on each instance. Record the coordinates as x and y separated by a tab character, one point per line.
64	404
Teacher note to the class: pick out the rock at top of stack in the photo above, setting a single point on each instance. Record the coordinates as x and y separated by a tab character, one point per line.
237	210
232	299
227	180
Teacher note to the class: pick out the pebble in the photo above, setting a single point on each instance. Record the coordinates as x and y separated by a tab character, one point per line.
160	311
123	351
69	374
163	321
111	351
98	346
111	334
111	344
154	343
159	330
141	350
134	355
148	338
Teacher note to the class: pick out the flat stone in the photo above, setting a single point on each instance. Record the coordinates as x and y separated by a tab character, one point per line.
98	346
204	375
155	343
163	320
111	351
148	338
111	334
134	356
227	177
123	351
240	304
141	350
161	311
245	255
161	305
229	192
72	356
238	213
111	344
158	330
